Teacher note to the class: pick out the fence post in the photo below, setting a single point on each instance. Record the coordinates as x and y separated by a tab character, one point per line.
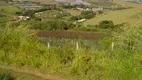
48	45
112	46
77	47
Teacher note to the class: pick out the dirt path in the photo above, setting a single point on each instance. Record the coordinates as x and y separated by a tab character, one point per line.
43	76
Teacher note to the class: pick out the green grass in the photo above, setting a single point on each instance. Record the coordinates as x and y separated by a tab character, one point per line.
137	16
119	16
9	9
9	12
4	19
84	64
94	59
7	74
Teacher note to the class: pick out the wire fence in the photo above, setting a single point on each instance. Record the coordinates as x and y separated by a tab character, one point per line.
79	43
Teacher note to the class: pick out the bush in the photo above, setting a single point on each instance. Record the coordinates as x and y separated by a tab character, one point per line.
6	77
106	24
51	25
81	64
88	14
18	42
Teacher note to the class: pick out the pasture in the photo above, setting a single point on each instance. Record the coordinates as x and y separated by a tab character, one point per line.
45	1
9	9
118	17
131	16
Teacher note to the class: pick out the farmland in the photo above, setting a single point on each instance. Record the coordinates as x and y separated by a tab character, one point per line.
9	9
120	16
8	12
73	35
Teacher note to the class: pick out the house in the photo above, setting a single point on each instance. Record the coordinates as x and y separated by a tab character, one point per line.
79	21
20	18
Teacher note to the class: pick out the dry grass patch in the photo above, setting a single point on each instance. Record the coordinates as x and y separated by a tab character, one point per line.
73	12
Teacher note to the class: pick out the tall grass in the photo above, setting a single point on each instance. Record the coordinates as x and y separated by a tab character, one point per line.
5	77
19	48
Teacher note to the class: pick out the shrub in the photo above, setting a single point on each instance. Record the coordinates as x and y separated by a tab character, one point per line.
51	25
6	77
106	24
88	14
81	64
18	42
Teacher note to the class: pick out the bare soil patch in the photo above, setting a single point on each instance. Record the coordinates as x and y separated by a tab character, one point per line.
73	35
43	76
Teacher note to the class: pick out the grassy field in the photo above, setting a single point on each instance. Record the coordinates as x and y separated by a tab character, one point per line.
45	1
118	17
9	9
9	12
104	4
132	16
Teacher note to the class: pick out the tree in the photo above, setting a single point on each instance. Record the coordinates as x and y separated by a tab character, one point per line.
88	14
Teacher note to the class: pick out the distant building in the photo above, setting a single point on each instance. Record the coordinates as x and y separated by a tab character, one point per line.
80	2
97	9
20	18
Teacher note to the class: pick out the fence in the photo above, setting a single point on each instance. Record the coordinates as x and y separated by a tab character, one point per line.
79	43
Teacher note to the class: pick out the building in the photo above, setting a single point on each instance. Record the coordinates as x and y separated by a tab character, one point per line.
20	18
